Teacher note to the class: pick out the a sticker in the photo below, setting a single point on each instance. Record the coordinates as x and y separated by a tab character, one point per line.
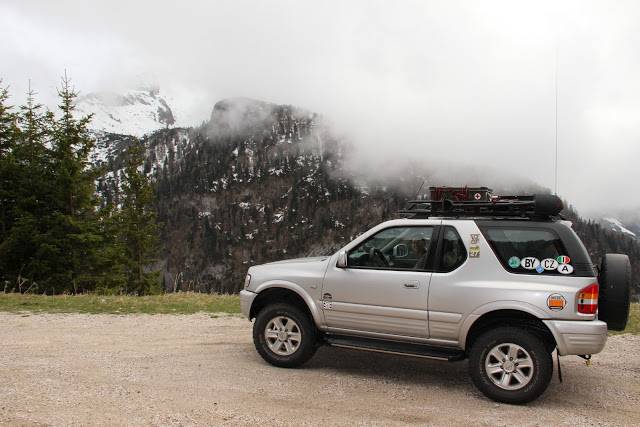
529	263
565	268
539	268
475	238
563	259
474	252
556	302
514	262
549	264
477	196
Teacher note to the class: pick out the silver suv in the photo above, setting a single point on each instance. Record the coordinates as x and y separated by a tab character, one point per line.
502	281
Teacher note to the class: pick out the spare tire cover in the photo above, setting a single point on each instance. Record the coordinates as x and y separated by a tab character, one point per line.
615	291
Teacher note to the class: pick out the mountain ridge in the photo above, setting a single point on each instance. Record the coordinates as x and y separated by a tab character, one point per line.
261	182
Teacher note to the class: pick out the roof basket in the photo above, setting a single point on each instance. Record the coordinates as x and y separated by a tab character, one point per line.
479	202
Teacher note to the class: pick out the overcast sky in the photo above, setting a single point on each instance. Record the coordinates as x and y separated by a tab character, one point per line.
464	83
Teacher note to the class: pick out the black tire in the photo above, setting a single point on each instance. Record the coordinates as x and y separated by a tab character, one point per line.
615	291
307	344
538	357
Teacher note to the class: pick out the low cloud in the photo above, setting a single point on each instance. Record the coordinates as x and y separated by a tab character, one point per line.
466	89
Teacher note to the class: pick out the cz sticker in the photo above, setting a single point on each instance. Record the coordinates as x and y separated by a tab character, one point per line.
556	302
529	263
474	252
549	264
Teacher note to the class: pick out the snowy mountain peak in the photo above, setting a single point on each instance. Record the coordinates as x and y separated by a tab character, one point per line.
136	112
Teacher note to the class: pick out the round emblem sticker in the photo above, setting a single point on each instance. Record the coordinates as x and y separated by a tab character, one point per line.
563	259
529	263
549	264
565	268
514	262
556	302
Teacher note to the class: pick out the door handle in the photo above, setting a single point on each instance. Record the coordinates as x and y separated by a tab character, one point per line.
411	285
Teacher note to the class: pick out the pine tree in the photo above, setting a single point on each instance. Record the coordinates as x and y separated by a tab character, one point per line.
26	192
9	133
139	226
71	234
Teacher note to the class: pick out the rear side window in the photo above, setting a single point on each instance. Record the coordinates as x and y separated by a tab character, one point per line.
529	250
454	253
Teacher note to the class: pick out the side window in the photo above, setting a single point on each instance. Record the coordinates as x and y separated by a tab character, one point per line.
454	253
529	250
396	248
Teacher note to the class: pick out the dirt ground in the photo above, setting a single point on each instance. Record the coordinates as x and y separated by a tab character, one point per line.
72	369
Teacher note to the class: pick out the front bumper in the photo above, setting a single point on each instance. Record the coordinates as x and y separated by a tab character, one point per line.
578	336
246	299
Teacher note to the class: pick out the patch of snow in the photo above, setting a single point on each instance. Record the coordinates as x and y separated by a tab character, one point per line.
135	112
617	225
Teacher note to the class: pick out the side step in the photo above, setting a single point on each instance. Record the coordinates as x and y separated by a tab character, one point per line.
395	347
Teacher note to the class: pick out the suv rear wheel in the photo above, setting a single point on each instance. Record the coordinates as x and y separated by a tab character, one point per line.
510	365
284	335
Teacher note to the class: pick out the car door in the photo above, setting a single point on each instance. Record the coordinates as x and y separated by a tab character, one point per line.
385	286
449	288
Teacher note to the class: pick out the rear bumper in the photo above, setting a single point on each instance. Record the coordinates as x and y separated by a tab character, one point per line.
578	336
246	299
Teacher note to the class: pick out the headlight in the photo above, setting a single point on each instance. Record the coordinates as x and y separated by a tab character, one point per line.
247	280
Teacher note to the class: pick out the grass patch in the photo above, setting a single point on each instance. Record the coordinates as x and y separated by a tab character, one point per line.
633	326
177	303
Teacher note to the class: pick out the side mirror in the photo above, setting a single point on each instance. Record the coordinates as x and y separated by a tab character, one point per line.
400	251
342	260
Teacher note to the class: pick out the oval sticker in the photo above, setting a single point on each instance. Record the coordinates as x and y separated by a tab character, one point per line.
529	263
549	264
565	268
563	259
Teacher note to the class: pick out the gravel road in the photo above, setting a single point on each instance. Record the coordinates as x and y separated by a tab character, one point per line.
72	369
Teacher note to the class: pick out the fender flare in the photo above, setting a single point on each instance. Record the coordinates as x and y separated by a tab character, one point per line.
283	284
470	320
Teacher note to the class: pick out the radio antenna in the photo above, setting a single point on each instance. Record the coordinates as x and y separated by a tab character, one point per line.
556	130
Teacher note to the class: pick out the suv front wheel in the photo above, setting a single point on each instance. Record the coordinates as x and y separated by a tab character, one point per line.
510	365
284	335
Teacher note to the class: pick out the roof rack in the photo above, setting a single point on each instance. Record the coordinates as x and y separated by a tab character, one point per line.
540	206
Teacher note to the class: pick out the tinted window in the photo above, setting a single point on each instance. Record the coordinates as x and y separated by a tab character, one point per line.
397	248
453	250
527	250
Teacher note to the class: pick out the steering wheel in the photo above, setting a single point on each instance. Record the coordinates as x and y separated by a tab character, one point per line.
378	253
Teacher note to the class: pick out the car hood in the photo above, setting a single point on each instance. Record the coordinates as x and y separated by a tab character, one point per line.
299	260
301	271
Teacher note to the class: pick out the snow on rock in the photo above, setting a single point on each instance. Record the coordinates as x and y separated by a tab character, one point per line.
136	112
616	225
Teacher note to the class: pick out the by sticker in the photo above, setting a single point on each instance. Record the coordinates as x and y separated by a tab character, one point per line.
563	259
565	269
514	262
474	252
529	263
556	302
474	239
549	264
